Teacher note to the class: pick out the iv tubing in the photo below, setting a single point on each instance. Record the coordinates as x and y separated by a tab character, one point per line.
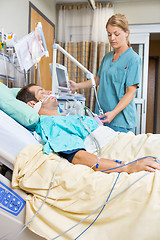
101	206
94	139
5	66
100	109
100	210
126	164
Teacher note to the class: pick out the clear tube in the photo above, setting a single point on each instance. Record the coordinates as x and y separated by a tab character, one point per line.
100	109
5	66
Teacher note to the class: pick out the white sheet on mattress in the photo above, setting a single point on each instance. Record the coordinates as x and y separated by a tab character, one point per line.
13	136
103	135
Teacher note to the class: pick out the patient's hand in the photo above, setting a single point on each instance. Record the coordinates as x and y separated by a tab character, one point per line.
145	164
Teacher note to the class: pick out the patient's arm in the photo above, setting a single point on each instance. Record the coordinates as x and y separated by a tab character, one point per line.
88	159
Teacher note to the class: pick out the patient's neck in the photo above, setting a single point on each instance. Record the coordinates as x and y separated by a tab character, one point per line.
48	112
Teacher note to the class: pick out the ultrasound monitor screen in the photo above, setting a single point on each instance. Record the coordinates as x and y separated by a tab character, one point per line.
61	77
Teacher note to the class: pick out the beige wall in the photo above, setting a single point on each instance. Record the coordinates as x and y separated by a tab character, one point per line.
140	12
15	14
47	7
14	17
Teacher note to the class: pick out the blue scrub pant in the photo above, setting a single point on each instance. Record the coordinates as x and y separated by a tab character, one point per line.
120	129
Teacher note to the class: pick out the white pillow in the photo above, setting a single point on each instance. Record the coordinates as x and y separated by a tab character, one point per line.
13	136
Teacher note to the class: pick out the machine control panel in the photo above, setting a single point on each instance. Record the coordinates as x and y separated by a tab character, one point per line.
72	104
10	201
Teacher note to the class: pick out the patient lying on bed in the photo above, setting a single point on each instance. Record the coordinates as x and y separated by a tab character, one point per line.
58	128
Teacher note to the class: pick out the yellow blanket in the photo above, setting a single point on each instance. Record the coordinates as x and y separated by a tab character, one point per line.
78	190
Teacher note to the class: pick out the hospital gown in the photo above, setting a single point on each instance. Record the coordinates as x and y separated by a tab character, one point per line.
63	133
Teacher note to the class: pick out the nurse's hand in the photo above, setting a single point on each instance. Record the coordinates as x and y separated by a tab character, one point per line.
73	85
107	117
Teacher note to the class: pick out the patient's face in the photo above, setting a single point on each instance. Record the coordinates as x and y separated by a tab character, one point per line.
39	92
50	103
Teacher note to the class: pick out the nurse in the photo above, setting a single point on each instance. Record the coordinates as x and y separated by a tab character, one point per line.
118	78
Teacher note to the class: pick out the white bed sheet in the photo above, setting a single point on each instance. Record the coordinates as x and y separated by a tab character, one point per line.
13	136
103	135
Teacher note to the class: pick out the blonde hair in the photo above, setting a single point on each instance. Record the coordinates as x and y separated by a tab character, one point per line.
119	20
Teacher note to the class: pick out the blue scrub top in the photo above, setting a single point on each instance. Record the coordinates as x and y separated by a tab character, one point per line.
115	77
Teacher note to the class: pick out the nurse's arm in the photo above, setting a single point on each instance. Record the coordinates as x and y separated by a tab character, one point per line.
125	100
87	84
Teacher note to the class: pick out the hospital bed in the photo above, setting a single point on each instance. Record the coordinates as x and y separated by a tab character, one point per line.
78	190
13	137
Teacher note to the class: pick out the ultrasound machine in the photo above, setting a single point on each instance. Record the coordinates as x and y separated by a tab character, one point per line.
67	100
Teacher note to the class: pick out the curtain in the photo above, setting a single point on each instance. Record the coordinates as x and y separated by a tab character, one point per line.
82	32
